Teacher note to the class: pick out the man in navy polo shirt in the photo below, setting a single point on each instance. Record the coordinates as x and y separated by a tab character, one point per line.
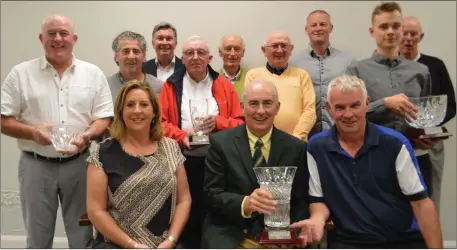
365	178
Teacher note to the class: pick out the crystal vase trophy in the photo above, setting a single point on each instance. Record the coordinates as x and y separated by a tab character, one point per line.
431	113
278	182
198	111
62	136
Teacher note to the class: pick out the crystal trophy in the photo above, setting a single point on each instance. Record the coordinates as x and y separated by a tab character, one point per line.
431	113
278	182
198	111
62	136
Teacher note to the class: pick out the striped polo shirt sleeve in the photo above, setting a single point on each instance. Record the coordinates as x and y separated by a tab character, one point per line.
409	175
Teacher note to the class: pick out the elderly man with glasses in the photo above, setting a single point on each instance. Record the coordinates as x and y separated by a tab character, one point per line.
197	80
295	87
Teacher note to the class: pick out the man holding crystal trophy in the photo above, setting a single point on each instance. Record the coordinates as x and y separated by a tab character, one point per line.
54	105
256	179
196	101
400	89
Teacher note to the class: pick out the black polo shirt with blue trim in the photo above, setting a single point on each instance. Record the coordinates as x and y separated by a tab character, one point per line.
368	195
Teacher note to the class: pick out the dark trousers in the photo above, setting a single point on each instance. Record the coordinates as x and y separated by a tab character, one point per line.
336	244
425	166
195	169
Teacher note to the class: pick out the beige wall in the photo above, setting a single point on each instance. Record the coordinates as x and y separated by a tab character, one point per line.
97	23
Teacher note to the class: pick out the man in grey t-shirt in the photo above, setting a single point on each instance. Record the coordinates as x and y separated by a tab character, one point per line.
322	62
129	54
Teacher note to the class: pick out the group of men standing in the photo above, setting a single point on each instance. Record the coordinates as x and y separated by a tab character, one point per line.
307	111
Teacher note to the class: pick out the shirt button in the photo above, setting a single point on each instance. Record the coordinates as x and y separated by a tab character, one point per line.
61	89
63	122
61	105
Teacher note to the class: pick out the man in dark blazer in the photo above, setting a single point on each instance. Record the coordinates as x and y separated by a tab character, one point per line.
234	201
164	41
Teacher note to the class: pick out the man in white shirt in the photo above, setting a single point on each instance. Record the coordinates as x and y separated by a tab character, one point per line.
56	89
164	41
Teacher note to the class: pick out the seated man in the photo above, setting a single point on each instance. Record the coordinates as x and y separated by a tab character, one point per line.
232	195
366	179
295	87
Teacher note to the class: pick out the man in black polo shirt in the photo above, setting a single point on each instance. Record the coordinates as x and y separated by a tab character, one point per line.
365	178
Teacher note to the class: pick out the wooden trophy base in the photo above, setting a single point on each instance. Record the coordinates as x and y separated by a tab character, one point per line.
434	133
279	237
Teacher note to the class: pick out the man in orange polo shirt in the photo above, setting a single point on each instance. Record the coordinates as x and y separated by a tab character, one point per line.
197	80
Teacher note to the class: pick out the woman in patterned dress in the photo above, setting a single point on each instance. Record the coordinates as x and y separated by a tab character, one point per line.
137	190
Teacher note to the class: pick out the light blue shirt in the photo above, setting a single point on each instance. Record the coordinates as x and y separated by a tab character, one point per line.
322	69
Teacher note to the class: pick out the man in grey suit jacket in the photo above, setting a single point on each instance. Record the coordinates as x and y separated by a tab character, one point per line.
234	200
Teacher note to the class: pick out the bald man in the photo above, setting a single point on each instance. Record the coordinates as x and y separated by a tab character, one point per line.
231	50
55	89
295	87
197	80
236	203
441	85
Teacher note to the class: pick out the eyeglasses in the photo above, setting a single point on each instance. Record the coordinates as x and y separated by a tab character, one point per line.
190	53
276	46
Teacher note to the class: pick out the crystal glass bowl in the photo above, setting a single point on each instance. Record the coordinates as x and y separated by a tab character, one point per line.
431	111
277	181
62	136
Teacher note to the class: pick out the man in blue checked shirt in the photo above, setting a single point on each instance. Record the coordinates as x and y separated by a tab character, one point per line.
365	178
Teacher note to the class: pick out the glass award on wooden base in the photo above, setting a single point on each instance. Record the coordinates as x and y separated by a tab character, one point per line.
278	182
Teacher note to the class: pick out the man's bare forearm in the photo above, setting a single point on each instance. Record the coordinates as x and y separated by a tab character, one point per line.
428	221
319	211
14	128
98	127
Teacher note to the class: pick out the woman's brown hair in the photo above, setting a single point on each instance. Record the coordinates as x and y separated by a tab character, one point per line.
118	128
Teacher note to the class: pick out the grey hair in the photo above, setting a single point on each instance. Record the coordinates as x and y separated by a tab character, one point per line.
164	26
129	35
196	38
319	11
260	81
235	35
347	83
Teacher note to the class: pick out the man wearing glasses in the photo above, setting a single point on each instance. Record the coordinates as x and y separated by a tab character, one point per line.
231	51
197	80
295	87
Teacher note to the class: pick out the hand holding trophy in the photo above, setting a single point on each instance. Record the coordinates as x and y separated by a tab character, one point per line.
277	181
431	113
198	113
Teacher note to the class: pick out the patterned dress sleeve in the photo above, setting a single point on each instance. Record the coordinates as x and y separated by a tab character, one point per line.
178	157
94	157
